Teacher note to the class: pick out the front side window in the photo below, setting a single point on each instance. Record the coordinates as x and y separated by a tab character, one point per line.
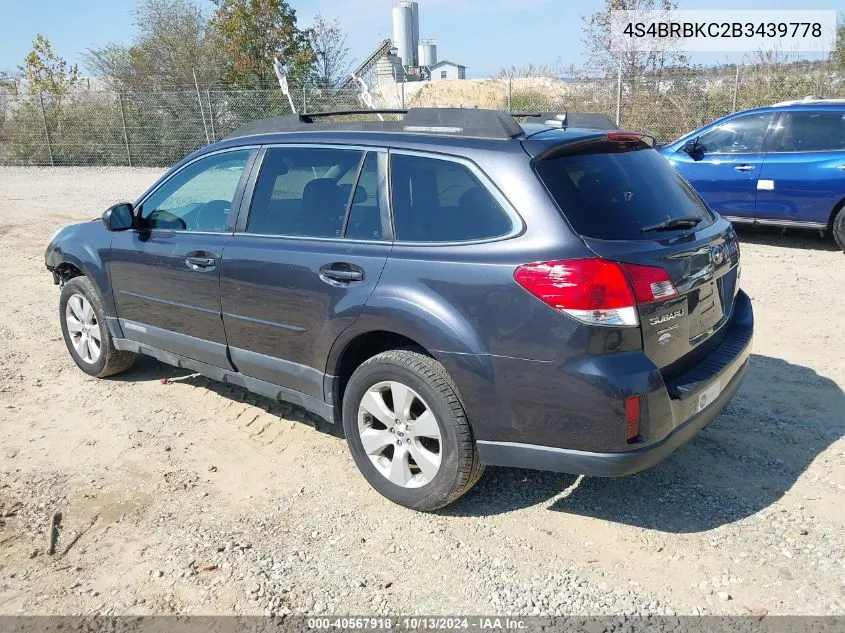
306	192
437	200
740	136
812	132
197	198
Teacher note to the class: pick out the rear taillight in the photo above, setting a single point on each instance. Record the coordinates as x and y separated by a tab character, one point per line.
627	136
595	291
649	283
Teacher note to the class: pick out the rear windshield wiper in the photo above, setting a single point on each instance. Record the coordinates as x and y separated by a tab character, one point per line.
685	222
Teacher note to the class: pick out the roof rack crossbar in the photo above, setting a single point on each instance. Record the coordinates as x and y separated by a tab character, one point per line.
493	124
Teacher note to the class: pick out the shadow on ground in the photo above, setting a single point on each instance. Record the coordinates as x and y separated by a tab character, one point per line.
783	417
148	369
803	239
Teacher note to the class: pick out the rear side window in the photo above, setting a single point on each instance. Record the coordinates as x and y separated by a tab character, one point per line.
436	200
614	196
812	132
304	191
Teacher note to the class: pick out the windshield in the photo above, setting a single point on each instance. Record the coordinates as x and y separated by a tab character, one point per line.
614	196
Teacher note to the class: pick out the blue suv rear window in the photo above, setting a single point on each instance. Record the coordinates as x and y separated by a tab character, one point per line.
614	195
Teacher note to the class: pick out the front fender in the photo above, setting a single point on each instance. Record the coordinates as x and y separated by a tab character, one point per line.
85	246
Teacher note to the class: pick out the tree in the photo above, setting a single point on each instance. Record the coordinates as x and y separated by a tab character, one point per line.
839	54
331	55
172	45
46	71
250	33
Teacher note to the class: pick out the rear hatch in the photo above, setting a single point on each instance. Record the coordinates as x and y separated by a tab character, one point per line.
630	206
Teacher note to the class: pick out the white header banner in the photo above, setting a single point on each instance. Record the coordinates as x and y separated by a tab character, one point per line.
723	31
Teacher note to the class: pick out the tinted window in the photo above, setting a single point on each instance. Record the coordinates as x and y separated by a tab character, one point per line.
613	196
812	132
442	201
738	136
303	191
365	216
199	197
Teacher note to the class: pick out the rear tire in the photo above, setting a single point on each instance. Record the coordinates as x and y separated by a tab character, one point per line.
420	452
839	228
86	333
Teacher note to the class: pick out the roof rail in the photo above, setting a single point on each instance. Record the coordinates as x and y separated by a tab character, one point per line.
493	124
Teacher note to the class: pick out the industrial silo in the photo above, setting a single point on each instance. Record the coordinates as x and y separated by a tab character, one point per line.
415	31
428	52
403	32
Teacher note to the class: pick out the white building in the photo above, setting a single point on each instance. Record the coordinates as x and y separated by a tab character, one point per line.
447	70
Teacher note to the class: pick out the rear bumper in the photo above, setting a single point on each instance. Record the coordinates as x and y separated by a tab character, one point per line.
581	431
535	457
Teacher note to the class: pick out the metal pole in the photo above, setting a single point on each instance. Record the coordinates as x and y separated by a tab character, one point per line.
210	115
125	135
736	88
304	97
403	94
619	93
510	94
202	114
46	131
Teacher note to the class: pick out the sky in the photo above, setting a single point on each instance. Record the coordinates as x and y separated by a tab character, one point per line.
484	35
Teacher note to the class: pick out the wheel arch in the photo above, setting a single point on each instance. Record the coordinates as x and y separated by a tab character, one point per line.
836	209
69	259
360	343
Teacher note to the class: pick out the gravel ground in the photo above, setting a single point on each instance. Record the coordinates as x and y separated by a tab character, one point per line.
181	495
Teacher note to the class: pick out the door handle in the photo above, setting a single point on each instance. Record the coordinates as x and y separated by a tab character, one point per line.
341	273
744	167
200	262
841	167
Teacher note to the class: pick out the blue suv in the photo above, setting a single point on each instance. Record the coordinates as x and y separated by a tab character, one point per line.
454	288
781	165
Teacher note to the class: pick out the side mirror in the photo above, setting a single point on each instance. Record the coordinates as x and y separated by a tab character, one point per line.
119	217
692	148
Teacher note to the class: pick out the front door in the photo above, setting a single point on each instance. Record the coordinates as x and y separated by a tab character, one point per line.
165	272
803	175
726	167
304	262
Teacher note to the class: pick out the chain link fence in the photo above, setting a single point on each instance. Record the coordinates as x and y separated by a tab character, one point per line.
158	128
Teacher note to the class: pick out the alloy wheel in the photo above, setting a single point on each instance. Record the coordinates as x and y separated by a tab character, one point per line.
83	328
400	434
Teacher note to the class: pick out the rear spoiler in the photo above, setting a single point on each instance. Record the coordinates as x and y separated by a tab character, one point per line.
611	142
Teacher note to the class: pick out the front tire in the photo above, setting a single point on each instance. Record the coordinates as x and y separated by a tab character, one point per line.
85	331
839	228
407	430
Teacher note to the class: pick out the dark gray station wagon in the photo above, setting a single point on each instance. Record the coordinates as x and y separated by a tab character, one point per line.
453	287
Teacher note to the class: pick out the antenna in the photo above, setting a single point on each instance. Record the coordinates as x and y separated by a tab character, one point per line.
282	74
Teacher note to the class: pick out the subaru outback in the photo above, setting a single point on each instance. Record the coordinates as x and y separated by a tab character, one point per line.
455	288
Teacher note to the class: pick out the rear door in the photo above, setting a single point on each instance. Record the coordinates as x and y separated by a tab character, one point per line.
304	260
165	272
726	168
803	174
615	195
